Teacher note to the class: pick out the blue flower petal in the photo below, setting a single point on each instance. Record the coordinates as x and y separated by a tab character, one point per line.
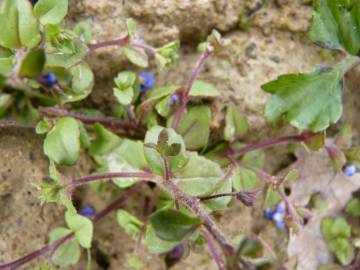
268	214
148	81
87	211
280	224
49	79
349	170
279	209
174	99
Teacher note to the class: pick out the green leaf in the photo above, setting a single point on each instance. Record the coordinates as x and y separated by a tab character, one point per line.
83	31
336	25
28	26
160	92
235	124
309	101
6	65
272	198
33	64
155	244
62	143
244	179
163	106
119	160
353	154
68	253
131	27
67	52
51	11
254	159
201	176
9	24
18	25
332	228
125	87
43	126
167	54
353	207
248	246
104	142
136	56
194	127
84	137
154	158
204	89
82	82
43	266
131	224
6	100
316	142
53	189
343	250
172	225
82	227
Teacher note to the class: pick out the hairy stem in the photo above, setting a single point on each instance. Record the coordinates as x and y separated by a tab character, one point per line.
139	44
115	42
193	204
269	143
186	91
96	177
106	121
218	258
53	246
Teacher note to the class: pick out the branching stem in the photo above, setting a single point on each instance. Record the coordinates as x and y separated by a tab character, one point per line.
218	258
115	42
106	121
269	143
186	91
96	177
193	204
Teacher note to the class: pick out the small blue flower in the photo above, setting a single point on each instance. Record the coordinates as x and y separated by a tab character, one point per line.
280	209
280	225
349	170
49	79
173	99
277	215
268	214
87	211
147	81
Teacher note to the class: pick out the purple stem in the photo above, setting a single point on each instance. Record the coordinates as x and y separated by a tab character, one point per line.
270	142
211	197
193	204
214	252
88	119
96	177
186	91
53	246
115	42
145	46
